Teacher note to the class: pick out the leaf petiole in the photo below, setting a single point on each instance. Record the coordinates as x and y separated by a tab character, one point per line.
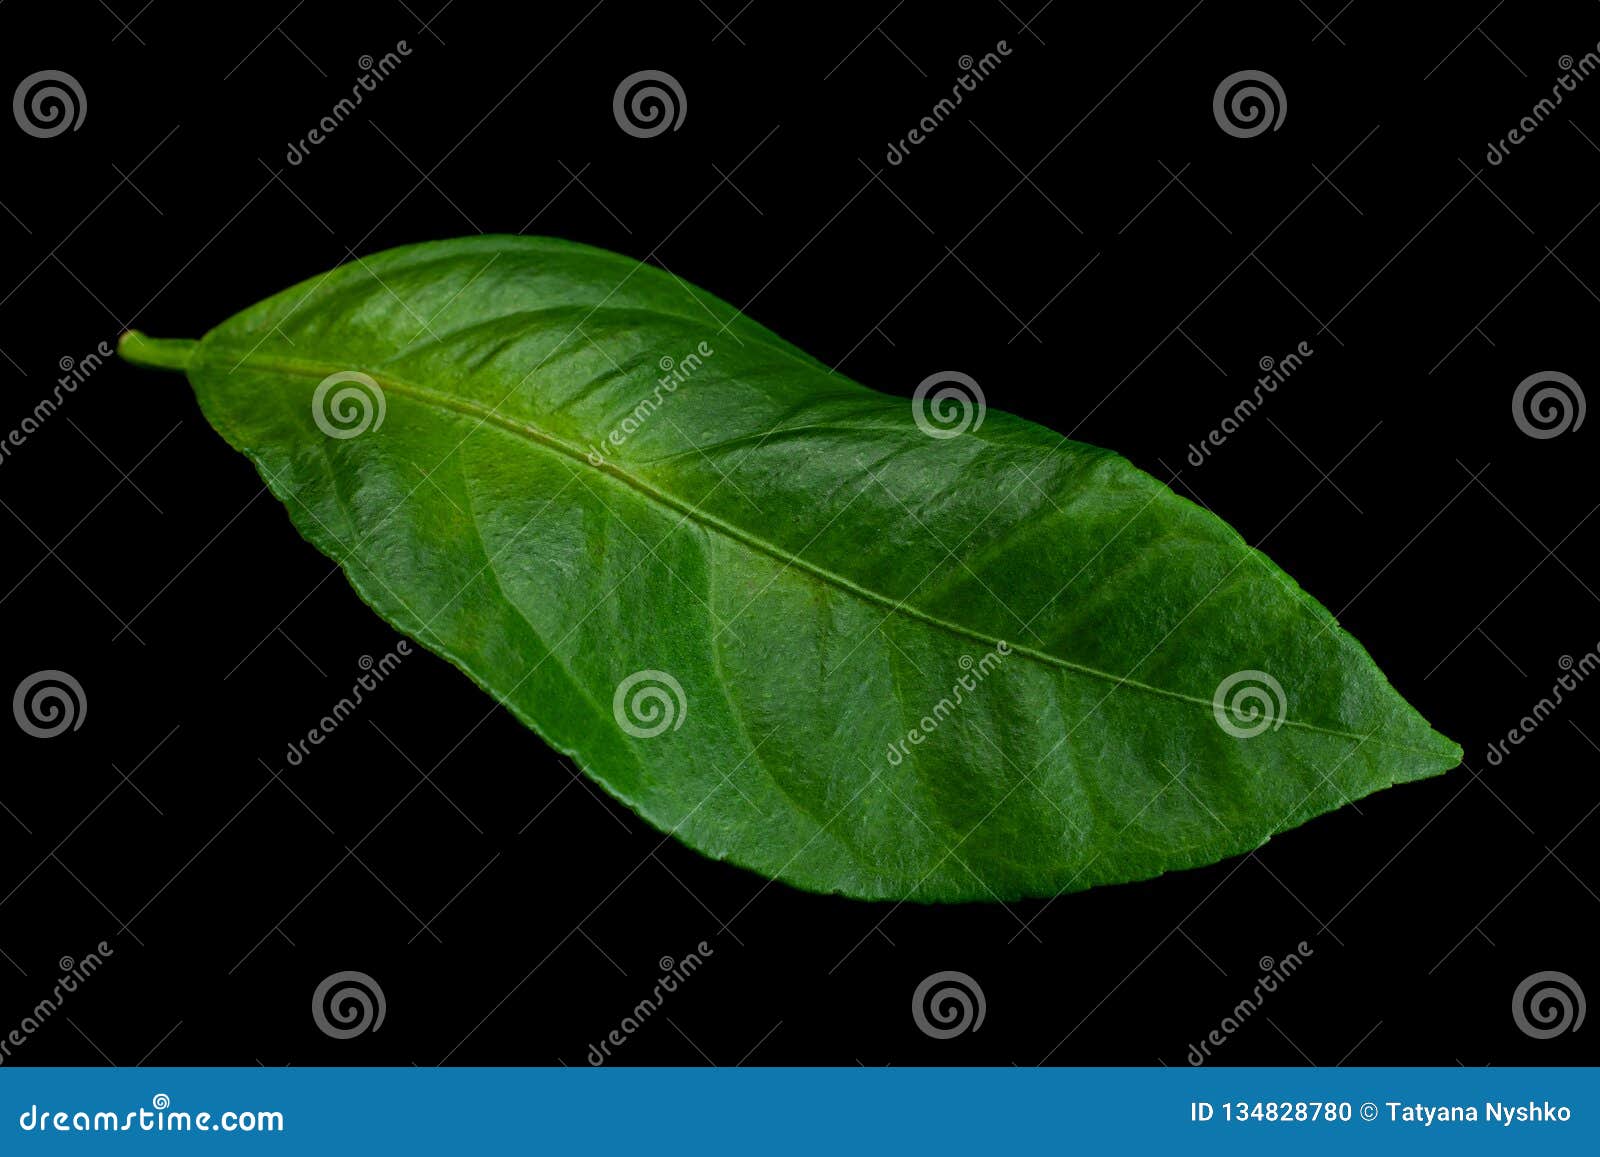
158	352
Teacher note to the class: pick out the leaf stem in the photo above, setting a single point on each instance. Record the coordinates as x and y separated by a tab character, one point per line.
160	353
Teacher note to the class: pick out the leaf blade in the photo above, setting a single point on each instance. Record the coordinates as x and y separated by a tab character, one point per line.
811	568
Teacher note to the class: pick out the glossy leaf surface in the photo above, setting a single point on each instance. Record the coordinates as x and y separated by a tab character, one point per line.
799	624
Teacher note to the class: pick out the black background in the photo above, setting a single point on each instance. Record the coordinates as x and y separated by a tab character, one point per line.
1081	237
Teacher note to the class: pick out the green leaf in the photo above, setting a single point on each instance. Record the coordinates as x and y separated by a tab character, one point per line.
887	649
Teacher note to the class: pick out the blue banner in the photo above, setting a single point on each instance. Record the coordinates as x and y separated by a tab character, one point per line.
742	1111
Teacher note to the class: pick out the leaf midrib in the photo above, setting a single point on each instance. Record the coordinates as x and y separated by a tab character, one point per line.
318	370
